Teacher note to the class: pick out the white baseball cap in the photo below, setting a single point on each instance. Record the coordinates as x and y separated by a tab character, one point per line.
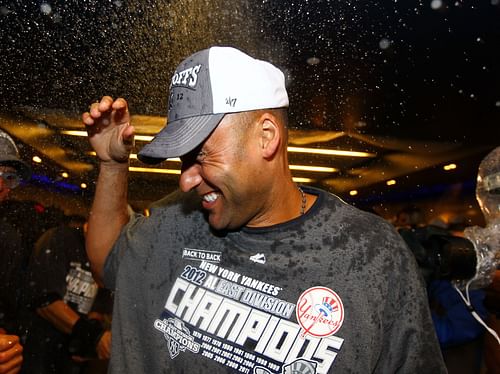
206	86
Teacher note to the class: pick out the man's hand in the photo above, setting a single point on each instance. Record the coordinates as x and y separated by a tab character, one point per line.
11	356
110	133
103	348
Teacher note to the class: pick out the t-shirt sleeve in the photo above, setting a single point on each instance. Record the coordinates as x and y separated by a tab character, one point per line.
142	234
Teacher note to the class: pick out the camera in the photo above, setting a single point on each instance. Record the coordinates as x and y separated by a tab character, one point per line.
440	255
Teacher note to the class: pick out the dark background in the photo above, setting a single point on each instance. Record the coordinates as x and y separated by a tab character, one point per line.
421	72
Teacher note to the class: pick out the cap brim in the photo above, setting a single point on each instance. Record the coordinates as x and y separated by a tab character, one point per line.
22	168
179	138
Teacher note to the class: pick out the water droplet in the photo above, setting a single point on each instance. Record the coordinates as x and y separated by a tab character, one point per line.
384	43
4	10
313	60
436	4
45	8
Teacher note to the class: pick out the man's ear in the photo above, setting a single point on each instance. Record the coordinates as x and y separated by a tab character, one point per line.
271	135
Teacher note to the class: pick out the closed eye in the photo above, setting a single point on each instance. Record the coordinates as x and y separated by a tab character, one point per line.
195	156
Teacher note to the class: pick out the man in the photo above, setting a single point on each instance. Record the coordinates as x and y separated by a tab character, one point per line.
12	171
60	336
245	271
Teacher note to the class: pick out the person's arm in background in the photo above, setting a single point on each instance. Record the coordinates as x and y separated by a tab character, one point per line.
103	348
111	136
11	353
87	332
48	274
102	310
60	315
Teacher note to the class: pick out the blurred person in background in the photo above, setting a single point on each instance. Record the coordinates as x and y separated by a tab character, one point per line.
459	333
12	171
62	334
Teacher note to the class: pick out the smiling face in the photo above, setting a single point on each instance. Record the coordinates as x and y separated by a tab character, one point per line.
223	171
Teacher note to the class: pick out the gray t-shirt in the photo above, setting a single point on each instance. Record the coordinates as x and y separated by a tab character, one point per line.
335	290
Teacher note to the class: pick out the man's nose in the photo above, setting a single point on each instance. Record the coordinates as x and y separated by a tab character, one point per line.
190	177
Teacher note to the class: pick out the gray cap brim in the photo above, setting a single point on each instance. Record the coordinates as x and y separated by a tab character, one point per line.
179	138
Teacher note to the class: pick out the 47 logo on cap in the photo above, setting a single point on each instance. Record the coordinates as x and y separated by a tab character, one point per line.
320	312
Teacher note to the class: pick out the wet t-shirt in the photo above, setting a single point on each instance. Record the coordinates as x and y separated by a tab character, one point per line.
333	291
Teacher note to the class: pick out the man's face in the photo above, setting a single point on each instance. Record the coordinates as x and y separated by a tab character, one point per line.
223	173
6	185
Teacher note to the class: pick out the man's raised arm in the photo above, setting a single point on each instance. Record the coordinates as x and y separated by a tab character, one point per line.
112	137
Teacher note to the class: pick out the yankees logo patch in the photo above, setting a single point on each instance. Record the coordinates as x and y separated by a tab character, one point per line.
320	312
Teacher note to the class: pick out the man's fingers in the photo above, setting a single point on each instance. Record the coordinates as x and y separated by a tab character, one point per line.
12	364
10	354
96	109
119	103
87	119
128	135
105	104
8	341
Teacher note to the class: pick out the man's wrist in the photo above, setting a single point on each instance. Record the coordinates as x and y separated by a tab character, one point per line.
85	335
114	165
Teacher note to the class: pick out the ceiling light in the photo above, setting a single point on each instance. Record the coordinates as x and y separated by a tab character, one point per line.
64	174
134	156
302	180
144	138
353	192
330	152
449	167
319	151
154	170
83	185
37	159
391	182
74	132
320	169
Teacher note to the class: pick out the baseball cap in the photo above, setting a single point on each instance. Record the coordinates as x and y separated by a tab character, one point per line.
207	85
9	156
